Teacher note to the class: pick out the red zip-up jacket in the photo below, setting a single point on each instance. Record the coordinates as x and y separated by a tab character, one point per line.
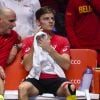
83	24
6	44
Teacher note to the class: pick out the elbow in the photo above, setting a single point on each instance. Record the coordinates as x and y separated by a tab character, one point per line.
66	62
66	65
27	68
27	65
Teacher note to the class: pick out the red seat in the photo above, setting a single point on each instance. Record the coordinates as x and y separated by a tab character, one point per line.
80	60
14	74
96	81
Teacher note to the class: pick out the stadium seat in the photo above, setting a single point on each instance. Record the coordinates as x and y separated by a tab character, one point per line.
81	59
96	82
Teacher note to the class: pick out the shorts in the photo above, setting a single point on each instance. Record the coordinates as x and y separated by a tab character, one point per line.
49	85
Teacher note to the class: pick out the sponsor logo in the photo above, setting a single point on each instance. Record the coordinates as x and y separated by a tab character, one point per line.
65	48
54	46
76	81
85	9
75	61
27	49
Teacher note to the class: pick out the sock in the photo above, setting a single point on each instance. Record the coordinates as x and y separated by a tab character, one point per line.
1	97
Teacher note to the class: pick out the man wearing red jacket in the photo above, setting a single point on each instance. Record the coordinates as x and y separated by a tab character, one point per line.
83	24
8	43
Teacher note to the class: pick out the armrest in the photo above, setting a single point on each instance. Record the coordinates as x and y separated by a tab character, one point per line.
96	81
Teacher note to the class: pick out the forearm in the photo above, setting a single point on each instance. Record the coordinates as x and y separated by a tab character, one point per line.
62	60
2	73
27	61
12	55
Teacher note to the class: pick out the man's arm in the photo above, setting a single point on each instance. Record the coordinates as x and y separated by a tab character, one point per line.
27	60
62	60
2	73
27	53
70	24
15	49
13	53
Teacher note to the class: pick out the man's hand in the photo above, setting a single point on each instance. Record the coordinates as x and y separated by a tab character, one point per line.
2	73
44	43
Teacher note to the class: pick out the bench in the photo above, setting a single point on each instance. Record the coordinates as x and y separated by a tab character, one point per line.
80	60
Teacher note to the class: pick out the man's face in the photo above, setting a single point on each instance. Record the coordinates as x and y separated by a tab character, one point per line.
8	22
47	21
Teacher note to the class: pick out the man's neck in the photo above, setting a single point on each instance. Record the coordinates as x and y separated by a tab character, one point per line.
48	32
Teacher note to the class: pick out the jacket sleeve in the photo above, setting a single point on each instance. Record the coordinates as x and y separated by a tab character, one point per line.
70	23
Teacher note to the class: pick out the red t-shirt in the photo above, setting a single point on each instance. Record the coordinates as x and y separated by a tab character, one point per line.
60	44
6	43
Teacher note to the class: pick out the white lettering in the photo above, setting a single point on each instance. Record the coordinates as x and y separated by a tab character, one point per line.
75	61
76	81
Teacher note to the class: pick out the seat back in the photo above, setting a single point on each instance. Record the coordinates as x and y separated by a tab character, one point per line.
80	60
14	74
96	82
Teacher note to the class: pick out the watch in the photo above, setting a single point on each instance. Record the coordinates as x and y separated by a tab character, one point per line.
16	46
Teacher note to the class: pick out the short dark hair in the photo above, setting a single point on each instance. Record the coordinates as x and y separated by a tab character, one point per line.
44	10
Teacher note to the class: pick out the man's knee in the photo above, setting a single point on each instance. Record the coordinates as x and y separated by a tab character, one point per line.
69	88
22	88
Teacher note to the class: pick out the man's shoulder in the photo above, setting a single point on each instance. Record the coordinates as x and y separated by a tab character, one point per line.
29	38
59	37
14	33
60	40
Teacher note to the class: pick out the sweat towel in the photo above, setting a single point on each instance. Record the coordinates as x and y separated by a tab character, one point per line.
42	59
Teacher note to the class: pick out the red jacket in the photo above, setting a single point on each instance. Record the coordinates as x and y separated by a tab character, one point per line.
6	43
83	24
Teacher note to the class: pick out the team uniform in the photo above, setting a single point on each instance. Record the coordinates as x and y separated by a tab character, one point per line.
49	81
6	44
25	12
83	24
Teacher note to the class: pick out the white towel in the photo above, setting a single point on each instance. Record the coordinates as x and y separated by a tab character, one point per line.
41	58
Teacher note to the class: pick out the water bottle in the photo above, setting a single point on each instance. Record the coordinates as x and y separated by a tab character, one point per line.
86	80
